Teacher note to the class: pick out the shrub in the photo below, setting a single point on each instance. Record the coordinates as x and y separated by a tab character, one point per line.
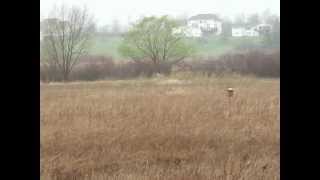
93	68
257	62
49	73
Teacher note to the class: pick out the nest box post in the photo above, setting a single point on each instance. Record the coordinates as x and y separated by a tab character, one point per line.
230	93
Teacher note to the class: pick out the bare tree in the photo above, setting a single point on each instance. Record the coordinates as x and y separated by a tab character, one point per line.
67	34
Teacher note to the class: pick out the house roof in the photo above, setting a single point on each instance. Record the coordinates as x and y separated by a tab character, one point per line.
50	20
204	17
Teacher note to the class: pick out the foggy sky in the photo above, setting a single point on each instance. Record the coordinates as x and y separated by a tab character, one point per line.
105	11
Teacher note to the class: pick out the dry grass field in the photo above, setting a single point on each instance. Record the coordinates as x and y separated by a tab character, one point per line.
176	128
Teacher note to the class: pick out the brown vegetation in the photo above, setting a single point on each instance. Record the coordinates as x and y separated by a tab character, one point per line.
258	63
149	129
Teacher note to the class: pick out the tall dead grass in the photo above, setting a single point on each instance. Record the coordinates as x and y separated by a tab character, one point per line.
144	129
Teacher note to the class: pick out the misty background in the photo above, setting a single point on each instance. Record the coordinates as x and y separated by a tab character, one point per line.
126	12
230	36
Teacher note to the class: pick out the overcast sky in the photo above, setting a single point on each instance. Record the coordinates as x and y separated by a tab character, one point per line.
105	11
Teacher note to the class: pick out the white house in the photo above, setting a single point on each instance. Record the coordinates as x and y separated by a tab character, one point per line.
250	32
201	24
206	23
244	32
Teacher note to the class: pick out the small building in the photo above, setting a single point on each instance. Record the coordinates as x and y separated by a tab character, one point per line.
263	28
200	25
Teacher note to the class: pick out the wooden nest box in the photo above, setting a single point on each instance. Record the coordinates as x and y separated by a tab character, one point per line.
230	92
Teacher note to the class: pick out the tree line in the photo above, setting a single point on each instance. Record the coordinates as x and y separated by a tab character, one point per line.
150	42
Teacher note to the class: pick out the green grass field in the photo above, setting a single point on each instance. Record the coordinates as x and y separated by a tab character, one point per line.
215	46
106	46
212	46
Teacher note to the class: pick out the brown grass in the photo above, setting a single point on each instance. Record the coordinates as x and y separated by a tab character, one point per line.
144	129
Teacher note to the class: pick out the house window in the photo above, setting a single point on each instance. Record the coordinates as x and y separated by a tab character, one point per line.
215	29
194	25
